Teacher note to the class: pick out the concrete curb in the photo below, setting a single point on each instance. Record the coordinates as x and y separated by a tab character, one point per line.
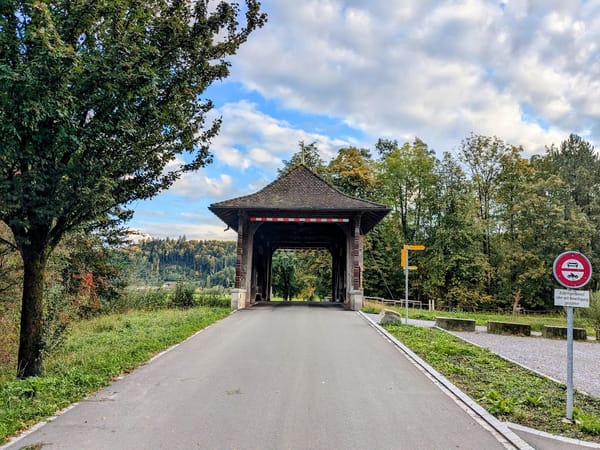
543	434
499	429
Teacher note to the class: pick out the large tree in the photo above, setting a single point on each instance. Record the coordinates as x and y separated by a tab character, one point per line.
100	106
351	171
407	182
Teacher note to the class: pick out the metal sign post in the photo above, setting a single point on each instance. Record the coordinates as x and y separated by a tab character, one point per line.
573	270
404	264
570	362
406	288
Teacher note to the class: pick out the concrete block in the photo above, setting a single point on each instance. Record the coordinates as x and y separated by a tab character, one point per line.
455	324
579	334
519	329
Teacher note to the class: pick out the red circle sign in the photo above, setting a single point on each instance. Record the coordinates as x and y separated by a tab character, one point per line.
572	269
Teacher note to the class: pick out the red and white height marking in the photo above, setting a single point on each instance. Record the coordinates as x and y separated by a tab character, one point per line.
300	219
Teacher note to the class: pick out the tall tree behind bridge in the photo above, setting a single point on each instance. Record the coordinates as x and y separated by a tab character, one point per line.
98	100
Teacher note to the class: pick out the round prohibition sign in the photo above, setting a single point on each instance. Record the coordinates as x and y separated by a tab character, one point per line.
572	269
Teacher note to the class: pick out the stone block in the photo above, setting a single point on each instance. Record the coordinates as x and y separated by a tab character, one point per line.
519	329
455	324
579	334
238	299
387	316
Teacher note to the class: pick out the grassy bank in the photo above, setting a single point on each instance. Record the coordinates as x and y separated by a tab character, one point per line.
537	321
506	390
95	352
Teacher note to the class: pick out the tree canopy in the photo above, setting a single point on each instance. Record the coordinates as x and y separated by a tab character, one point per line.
100	105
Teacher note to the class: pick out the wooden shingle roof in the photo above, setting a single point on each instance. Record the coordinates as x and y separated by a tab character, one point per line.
302	192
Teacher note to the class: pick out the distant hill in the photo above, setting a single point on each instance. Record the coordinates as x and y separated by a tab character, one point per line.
156	261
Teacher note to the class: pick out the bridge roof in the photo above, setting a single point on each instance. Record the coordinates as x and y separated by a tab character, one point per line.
303	193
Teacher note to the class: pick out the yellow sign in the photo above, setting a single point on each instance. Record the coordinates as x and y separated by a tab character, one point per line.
403	254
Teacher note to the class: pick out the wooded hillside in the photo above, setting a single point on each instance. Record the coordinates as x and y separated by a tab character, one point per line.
206	263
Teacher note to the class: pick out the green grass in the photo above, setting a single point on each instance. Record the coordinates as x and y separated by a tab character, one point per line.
94	353
537	321
506	390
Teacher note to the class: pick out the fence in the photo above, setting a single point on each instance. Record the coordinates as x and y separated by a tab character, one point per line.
411	303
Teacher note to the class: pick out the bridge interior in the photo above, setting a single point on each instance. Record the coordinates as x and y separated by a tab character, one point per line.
270	237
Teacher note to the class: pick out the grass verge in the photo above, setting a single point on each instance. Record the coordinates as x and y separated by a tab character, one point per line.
506	390
94	353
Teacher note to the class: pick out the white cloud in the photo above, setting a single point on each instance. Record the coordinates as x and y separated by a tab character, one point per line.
250	138
438	70
198	184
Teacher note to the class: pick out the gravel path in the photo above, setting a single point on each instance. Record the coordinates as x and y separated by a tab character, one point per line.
547	356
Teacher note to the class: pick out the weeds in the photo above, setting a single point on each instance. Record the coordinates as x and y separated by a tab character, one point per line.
587	422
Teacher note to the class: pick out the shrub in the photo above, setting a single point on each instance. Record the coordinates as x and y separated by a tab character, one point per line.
184	295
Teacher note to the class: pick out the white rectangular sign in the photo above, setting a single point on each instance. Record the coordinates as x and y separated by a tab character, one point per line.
569	297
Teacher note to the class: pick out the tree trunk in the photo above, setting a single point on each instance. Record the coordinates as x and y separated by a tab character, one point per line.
30	343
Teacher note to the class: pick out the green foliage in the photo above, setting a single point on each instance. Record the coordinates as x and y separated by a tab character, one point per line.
491	232
588	423
285	280
407	182
184	295
308	154
371	310
497	405
141	299
155	261
213	298
351	171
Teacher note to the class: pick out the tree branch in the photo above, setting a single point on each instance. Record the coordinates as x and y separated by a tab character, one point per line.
10	244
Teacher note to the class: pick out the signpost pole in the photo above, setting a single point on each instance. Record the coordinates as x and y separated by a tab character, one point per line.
573	270
406	286
570	363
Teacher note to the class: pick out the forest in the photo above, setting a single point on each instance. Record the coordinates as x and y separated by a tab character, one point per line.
205	263
492	218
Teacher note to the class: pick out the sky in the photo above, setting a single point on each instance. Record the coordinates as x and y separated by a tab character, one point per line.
346	73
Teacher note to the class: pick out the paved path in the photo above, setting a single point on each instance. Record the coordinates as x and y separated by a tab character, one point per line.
272	378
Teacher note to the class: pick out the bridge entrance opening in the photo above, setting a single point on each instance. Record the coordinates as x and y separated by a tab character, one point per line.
301	275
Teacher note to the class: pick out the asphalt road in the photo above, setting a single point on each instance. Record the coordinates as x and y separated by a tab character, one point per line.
272	378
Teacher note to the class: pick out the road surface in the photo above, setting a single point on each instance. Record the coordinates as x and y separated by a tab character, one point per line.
294	377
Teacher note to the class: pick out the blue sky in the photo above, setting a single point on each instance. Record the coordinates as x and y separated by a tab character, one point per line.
346	73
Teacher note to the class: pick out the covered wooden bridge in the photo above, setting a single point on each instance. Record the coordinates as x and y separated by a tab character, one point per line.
299	210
